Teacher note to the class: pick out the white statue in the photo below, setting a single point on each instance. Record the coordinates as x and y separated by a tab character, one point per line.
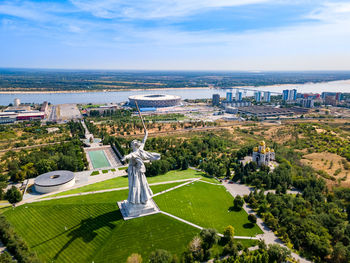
139	190
140	202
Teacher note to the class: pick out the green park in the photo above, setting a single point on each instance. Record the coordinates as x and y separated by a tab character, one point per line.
95	227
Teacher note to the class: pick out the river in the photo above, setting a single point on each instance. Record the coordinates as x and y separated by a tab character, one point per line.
120	96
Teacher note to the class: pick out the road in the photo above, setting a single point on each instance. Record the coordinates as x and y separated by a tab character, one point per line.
53	114
31	146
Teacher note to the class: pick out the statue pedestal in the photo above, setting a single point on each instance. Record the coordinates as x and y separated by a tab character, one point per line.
130	210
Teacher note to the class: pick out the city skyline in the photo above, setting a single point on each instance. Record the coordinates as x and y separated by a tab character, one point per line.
176	35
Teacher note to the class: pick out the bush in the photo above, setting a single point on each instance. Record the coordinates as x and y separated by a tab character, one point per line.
13	195
5	257
252	218
160	256
229	233
104	171
134	258
238	202
95	173
209	237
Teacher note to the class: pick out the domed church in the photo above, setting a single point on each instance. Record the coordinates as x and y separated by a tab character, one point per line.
263	155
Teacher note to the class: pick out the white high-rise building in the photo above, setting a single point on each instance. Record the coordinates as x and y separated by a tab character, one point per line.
16	102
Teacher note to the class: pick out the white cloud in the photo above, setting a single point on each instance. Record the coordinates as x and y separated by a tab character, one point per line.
331	12
153	9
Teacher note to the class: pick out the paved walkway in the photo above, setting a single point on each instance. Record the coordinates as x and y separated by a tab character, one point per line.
82	179
269	237
44	198
175	187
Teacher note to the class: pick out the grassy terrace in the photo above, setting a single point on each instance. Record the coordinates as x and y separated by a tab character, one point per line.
92	224
208	206
123	181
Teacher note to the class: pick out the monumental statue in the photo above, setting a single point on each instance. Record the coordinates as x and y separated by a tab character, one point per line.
139	202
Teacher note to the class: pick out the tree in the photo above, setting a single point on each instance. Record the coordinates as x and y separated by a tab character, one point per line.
13	195
238	202
339	253
209	237
252	218
278	253
229	233
184	165
134	258
195	250
160	256
3	185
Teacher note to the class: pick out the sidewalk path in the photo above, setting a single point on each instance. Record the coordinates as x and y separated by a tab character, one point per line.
175	187
40	197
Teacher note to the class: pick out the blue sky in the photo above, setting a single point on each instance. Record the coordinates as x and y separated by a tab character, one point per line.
176	34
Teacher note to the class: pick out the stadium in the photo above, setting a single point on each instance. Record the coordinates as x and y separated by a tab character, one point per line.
154	100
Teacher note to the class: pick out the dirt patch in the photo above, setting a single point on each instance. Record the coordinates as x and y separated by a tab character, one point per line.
330	163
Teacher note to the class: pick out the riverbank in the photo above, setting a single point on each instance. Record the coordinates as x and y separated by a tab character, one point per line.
101	90
308	87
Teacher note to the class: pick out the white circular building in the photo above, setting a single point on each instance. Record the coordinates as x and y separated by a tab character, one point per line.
154	100
54	181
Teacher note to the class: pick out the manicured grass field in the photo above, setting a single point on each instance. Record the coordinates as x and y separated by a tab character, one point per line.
123	181
98	159
90	228
208	206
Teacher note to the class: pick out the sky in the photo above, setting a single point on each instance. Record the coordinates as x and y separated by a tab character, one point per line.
250	35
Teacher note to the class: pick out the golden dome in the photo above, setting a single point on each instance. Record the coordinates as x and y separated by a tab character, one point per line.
267	149
255	149
272	150
263	151
262	143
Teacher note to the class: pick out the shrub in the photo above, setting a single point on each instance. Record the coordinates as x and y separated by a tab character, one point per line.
209	237
160	256
229	233
134	258
95	173
238	202
252	218
13	195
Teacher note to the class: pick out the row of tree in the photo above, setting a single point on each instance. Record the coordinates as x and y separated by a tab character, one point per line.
15	244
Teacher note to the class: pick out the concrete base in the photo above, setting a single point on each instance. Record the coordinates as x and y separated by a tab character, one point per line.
130	211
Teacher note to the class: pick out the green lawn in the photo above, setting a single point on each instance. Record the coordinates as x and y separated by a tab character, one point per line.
208	206
123	181
90	228
98	159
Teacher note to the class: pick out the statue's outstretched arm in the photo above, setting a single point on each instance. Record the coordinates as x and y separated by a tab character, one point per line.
144	140
126	157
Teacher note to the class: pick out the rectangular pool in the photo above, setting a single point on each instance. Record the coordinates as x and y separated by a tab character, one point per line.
99	159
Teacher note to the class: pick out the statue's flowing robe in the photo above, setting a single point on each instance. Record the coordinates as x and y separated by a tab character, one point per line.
139	190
